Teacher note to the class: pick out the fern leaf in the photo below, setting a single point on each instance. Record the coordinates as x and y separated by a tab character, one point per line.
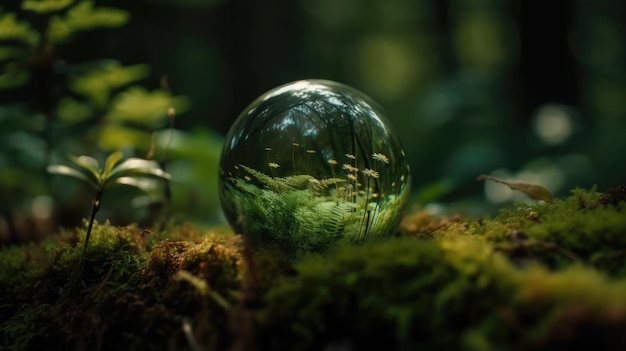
298	182
45	6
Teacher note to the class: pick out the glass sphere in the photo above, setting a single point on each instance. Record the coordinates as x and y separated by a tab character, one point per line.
311	163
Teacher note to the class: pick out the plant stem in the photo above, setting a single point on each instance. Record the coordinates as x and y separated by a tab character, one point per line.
94	209
366	219
243	315
167	189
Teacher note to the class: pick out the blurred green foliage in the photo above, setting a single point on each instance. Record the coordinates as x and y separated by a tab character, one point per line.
529	91
58	106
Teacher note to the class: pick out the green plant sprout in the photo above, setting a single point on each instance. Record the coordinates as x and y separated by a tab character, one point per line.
54	100
133	171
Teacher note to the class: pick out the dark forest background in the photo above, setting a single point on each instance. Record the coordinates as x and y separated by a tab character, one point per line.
524	90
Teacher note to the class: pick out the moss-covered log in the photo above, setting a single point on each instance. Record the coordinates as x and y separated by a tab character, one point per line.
536	277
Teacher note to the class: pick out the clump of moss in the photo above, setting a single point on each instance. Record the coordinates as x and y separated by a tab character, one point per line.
567	309
579	229
50	300
614	195
402	294
528	279
125	297
535	277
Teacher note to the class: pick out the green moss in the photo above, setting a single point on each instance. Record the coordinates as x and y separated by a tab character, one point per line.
563	309
532	278
544	276
125	297
404	293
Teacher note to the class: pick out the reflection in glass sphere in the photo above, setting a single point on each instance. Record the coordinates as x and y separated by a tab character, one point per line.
311	163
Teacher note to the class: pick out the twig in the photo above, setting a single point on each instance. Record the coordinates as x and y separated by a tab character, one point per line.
242	322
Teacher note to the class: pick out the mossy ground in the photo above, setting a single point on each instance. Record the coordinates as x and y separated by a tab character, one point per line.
544	276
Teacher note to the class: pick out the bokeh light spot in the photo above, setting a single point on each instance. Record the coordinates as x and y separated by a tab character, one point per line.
41	207
553	124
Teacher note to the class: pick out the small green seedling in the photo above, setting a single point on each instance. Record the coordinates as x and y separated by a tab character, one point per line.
535	191
135	172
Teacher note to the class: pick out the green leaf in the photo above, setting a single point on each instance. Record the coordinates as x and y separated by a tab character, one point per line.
115	137
72	111
145	108
68	171
13	78
145	184
45	6
12	29
87	162
131	171
137	167
84	17
110	163
90	165
97	84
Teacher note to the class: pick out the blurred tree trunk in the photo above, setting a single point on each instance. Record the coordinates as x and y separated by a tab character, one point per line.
547	65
